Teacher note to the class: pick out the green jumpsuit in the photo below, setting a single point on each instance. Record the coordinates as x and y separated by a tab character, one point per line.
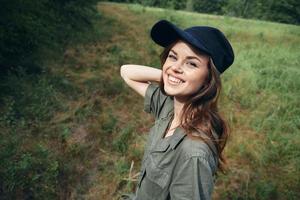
175	167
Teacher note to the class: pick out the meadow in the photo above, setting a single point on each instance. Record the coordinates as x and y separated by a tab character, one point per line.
88	128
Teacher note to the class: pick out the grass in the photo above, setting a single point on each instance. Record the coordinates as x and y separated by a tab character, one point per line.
259	98
91	126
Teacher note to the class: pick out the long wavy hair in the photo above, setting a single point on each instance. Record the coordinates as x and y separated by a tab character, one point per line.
200	112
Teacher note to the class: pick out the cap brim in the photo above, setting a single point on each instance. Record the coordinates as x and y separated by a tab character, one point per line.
165	33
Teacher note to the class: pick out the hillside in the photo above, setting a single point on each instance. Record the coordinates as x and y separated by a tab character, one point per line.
259	99
101	129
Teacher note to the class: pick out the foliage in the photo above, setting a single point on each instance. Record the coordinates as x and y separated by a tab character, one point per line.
175	4
121	143
72	132
28	169
31	28
286	11
33	34
27	174
28	97
208	6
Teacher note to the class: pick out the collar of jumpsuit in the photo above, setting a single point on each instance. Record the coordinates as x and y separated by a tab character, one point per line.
174	139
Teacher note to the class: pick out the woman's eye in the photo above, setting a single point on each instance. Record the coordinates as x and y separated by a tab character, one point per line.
172	56
192	64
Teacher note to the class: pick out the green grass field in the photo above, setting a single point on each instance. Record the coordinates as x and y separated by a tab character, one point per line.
91	126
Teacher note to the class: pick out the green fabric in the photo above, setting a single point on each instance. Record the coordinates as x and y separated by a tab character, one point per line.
175	167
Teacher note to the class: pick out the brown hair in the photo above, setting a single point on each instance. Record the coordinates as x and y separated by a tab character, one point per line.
200	113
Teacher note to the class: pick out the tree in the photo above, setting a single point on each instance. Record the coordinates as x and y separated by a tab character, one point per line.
208	6
286	11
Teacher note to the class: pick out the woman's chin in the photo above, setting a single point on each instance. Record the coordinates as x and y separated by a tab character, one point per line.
175	89
171	91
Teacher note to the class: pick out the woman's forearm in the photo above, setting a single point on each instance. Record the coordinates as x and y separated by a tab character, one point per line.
140	73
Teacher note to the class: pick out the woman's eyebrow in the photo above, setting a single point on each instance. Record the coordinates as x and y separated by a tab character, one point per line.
194	57
173	52
188	57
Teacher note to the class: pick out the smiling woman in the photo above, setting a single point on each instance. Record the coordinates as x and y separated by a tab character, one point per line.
185	145
184	70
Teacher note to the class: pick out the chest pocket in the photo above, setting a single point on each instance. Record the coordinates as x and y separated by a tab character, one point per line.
151	170
154	182
157	176
162	156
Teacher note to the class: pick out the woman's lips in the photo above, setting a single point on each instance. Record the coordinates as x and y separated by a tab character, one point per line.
174	81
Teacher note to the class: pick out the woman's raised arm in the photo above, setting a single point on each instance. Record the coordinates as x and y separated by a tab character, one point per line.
138	76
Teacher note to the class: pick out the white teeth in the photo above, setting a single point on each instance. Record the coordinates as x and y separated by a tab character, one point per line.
175	80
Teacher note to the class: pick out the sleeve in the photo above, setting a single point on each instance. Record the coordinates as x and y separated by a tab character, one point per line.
194	180
154	100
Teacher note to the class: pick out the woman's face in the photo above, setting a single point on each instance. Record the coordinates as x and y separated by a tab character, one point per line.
184	71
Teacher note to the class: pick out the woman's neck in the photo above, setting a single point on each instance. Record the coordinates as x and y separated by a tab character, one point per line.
178	105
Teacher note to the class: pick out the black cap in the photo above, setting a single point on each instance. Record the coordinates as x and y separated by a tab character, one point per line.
207	39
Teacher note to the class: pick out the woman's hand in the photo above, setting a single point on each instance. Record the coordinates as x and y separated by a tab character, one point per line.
138	76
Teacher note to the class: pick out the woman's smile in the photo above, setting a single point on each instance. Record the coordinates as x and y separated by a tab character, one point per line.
174	81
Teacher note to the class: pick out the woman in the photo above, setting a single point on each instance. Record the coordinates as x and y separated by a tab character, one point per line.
185	145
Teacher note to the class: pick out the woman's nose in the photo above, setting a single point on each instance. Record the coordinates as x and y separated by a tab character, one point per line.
177	67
